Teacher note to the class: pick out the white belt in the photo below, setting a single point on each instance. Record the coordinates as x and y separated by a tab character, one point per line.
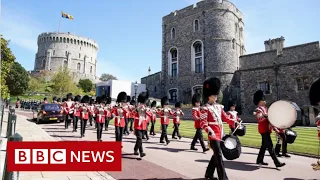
214	123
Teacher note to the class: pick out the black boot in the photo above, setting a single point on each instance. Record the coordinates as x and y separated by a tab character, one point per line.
277	149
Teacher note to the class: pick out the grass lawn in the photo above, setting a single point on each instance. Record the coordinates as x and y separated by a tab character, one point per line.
305	143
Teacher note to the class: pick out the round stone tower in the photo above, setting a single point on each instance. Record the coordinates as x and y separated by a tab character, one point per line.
200	41
57	50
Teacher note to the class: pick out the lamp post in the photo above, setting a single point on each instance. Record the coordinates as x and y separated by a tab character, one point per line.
149	71
135	91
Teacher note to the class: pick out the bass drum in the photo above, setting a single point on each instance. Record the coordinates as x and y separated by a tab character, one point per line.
282	114
290	136
241	131
230	147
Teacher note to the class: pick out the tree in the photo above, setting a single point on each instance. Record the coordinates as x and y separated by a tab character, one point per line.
7	59
62	83
17	80
107	77
85	85
34	85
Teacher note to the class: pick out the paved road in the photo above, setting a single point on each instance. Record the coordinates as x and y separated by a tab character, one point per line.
176	161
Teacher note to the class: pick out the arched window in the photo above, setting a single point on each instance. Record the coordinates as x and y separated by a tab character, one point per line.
50	38
173	95
197	89
67	40
60	39
78	42
43	63
233	43
65	64
173	33
196	25
81	43
85	44
79	55
197	57
64	40
173	62
71	41
54	51
78	66
90	69
155	88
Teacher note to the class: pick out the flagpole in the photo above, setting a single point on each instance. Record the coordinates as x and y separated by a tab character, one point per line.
59	22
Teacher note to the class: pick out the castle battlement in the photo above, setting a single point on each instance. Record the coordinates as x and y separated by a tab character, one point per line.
202	6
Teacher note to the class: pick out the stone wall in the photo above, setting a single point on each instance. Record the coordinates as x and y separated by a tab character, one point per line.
153	84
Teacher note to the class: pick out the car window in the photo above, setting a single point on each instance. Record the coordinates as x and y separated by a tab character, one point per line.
52	107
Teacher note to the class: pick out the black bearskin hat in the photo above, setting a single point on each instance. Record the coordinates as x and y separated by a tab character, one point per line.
64	99
164	101
314	93
132	102
69	96
54	98
178	104
103	98
154	104
128	98
91	101
143	97
232	103
85	99
77	98
108	100
98	99
258	96
196	98
122	97
211	86
59	100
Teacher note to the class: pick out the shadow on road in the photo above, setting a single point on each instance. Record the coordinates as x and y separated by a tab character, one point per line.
131	156
59	131
52	128
294	179
163	179
65	136
167	149
235	165
251	153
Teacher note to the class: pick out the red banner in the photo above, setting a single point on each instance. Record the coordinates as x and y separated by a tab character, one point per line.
64	156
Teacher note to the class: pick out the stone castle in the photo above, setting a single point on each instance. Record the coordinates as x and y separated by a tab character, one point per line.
78	54
207	40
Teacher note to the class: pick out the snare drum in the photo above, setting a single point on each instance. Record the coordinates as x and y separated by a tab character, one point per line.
282	114
241	131
290	136
230	147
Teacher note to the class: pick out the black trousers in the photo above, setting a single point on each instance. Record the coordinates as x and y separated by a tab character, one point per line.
126	130
176	130
216	161
91	120
75	123
198	136
119	133
67	120
153	123
131	123
138	145
106	124
267	144
164	133
282	138
145	132
83	126
99	130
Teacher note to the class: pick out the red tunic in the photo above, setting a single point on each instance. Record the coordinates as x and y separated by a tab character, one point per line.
84	112
68	107
233	115
196	117
100	113
211	117
108	110
263	122
164	114
176	116
318	125
119	116
154	114
141	117
76	107
91	110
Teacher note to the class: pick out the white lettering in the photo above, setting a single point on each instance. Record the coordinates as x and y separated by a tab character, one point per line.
85	154
97	155
110	156
22	156
74	156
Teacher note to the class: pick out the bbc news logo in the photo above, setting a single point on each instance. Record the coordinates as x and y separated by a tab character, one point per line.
64	156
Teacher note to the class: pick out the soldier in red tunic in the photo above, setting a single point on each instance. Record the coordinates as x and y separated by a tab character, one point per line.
101	115
233	114
164	112
119	112
196	100
265	129
211	117
177	113
314	96
108	109
76	113
127	116
45	101
154	117
281	139
84	114
140	122
68	110
92	111
131	116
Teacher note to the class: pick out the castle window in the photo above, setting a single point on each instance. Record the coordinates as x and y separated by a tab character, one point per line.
85	44
265	87
236	26
233	43
60	39
50	38
303	83
91	59
79	55
78	42
65	64
67	40
66	53
173	95
78	66
90	69
81	43
197	89
173	62
198	57
43	64
64	40
54	51
155	88
71	41
173	33
196	25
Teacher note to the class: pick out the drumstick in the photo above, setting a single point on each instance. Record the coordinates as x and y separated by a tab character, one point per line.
237	127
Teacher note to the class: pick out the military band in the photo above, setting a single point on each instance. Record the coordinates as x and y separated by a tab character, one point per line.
164	112
177	113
